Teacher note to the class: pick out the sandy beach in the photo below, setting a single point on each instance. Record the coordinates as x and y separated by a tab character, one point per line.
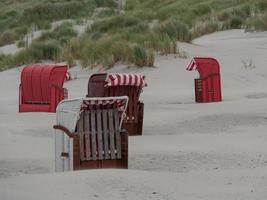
194	151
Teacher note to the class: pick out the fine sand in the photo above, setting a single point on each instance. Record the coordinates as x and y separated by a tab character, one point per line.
212	151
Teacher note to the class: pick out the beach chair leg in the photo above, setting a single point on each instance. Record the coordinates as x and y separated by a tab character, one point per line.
124	150
140	118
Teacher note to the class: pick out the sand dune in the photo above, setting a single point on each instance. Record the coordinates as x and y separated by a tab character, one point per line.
187	151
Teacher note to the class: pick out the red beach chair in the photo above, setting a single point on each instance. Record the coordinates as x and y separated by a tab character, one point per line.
41	87
131	85
208	85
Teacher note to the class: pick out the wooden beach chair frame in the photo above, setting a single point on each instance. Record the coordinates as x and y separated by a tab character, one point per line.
97	130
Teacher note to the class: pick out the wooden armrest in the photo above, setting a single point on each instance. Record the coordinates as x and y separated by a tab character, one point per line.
65	130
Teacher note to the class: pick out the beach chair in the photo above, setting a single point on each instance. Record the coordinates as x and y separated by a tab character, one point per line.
41	87
88	134
208	85
131	85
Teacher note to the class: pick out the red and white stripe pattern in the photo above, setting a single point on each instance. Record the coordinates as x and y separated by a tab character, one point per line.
125	79
67	77
192	65
119	103
109	102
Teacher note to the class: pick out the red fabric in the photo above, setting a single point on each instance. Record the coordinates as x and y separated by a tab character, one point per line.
41	84
205	66
208	85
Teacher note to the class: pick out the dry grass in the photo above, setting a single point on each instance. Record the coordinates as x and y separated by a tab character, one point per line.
131	37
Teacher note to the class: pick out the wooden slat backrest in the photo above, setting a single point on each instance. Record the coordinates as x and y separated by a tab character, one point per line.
111	134
80	130
99	134
87	139
105	133
117	134
93	133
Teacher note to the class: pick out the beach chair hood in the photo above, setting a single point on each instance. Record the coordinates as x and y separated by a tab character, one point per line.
113	79
208	85
205	66
68	111
41	87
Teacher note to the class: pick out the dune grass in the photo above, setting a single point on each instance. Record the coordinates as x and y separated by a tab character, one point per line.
62	34
48	47
18	17
156	25
134	36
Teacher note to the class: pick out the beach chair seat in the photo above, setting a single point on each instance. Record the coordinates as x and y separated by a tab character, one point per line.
131	85
41	87
88	134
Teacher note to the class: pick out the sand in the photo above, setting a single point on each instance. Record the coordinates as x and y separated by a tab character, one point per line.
187	151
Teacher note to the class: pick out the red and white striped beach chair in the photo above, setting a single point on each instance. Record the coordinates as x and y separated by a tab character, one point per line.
88	134
131	85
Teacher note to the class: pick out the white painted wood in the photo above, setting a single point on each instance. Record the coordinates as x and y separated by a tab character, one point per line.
58	149
63	144
68	113
71	154
66	149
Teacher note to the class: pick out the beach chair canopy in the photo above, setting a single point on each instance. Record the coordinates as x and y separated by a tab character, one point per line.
125	80
205	66
98	84
37	82
68	111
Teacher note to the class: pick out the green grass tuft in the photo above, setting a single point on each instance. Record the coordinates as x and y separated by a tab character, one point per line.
132	36
62	33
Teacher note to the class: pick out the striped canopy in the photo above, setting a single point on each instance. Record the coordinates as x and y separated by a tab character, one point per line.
125	79
105	102
192	65
68	111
